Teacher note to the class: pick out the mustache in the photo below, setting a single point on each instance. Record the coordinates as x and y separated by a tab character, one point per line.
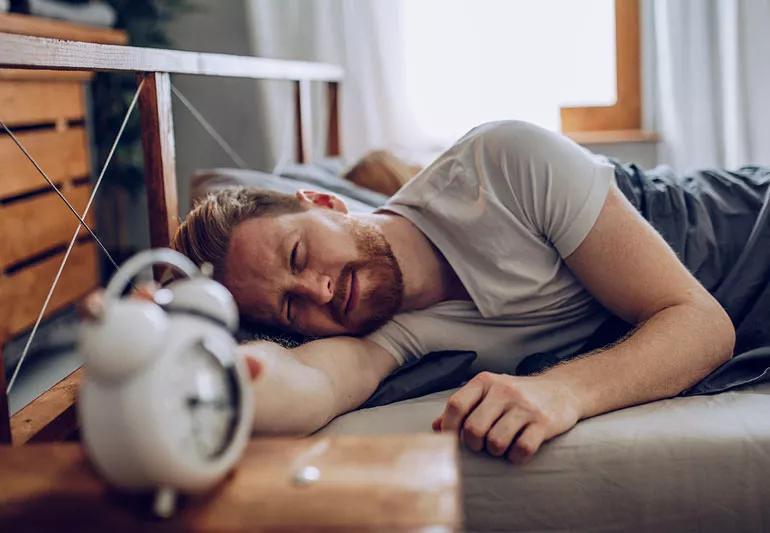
338	300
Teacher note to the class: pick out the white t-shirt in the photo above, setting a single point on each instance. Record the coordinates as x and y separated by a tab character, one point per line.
504	205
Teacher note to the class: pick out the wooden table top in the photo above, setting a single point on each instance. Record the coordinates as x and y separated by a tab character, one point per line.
407	482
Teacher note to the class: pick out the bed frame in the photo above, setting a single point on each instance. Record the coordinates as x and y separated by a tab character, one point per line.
52	415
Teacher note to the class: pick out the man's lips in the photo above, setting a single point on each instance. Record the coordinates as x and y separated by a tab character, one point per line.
350	304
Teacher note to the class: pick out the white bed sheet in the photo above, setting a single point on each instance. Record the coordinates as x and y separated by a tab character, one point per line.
684	464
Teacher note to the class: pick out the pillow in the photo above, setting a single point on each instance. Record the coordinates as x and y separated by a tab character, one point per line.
326	174
210	180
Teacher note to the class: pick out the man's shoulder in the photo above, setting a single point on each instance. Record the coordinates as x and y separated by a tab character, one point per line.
507	133
459	160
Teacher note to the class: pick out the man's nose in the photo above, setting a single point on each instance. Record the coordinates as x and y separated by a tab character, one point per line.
317	287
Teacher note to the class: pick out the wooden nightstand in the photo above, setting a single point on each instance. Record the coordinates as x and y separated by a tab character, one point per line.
407	482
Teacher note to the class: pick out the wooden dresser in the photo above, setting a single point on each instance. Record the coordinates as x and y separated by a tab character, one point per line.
47	112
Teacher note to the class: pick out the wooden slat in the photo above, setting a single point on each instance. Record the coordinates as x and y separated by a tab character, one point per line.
51	416
35	52
303	121
40	102
23	293
383	483
159	158
62	154
33	225
43	27
50	75
333	135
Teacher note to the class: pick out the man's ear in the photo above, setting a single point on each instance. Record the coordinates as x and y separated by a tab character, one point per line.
321	199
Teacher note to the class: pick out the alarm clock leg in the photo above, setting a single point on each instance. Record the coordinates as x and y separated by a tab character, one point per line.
165	502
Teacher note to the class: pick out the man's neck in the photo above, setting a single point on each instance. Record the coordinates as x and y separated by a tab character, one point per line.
428	276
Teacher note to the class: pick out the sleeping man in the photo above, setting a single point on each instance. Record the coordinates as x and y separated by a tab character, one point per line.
514	242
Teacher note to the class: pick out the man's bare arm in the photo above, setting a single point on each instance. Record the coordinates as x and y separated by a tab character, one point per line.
300	390
683	334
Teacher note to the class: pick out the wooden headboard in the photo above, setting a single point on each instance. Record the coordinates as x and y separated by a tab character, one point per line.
152	66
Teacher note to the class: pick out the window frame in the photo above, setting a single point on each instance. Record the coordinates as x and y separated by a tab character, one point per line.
622	121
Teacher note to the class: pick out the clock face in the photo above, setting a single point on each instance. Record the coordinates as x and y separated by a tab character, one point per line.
203	399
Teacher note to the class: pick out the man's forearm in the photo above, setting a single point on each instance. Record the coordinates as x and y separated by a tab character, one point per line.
290	397
671	351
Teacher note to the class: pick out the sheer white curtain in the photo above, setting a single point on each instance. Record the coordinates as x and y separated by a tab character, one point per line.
712	81
362	36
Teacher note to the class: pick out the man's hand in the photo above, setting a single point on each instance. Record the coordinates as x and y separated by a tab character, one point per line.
509	415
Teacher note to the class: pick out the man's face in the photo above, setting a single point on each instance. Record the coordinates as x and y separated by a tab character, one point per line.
317	272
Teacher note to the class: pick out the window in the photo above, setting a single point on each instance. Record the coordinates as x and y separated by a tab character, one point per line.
551	62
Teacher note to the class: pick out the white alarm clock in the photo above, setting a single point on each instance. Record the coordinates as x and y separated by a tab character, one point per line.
165	403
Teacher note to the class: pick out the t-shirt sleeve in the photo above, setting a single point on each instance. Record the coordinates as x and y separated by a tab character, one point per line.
557	186
398	340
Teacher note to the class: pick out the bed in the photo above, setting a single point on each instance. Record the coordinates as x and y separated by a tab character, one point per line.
694	463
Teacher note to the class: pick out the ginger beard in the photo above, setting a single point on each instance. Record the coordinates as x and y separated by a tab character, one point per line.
379	280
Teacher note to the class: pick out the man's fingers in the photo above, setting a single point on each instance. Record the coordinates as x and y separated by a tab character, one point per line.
460	404
527	444
144	291
436	424
92	305
505	430
478	423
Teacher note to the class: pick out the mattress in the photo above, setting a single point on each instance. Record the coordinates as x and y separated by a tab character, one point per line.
697	463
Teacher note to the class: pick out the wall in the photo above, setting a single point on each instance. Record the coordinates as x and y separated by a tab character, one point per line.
229	104
644	154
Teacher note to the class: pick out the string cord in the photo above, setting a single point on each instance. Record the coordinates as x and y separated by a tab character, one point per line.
80	218
228	149
58	192
237	159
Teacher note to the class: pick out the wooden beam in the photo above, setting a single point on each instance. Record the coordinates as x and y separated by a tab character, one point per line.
333	136
159	162
18	51
303	120
51	416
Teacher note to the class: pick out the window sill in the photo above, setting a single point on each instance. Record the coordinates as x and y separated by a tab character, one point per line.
613	136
